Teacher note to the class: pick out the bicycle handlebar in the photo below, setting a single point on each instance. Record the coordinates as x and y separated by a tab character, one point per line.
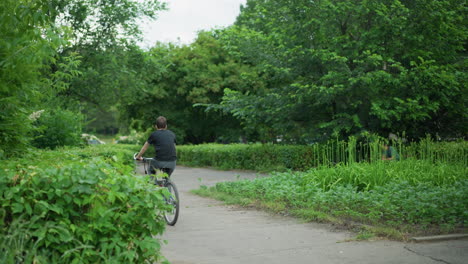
142	158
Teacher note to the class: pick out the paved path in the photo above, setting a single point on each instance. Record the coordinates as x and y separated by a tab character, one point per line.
209	232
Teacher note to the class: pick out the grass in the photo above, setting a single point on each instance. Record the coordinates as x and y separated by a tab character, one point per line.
393	200
311	215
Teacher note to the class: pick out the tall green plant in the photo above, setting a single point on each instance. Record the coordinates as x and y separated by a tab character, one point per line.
27	43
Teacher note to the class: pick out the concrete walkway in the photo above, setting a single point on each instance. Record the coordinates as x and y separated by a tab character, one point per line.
209	232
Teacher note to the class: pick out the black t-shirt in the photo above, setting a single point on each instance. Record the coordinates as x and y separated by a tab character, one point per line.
164	144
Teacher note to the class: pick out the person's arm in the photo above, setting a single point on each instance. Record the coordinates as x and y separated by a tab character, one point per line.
394	154
384	155
143	150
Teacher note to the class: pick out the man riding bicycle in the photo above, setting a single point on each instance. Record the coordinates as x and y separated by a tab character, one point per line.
164	142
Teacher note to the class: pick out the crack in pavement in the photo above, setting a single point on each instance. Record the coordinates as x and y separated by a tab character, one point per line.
419	254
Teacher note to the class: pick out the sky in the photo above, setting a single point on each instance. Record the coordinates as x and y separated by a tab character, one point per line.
184	18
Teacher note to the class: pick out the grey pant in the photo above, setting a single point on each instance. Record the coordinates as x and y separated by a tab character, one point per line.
169	165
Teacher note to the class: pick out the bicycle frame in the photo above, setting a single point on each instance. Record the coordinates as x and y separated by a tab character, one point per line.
161	178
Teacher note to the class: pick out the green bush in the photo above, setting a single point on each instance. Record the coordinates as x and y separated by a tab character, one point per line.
58	128
78	206
270	157
262	157
111	152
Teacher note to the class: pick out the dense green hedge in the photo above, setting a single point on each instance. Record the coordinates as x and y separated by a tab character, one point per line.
78	206
240	156
270	157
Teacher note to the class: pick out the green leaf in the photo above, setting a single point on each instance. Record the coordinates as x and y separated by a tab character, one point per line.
17	208
28	208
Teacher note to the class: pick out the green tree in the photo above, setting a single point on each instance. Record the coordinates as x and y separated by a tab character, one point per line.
104	35
100	24
28	44
179	77
343	67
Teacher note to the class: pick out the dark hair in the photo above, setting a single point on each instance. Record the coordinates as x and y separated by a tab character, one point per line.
161	122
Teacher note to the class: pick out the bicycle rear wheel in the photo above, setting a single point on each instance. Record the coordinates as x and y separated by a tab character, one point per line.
173	200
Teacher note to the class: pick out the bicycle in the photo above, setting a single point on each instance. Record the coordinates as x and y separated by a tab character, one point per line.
161	178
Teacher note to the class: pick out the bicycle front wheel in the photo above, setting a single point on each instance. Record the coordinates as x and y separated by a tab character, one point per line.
173	201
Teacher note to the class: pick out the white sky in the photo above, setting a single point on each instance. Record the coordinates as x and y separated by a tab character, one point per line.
182	20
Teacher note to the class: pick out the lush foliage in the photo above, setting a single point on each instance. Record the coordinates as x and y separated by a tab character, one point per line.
88	207
270	157
104	34
348	183
78	55
27	44
310	71
300	70
178	77
410	196
342	67
56	128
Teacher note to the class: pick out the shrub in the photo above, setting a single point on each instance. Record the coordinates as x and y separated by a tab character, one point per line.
270	157
58	128
81	209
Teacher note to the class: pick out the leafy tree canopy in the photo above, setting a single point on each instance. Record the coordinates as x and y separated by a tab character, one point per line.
344	67
28	44
179	77
104	35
